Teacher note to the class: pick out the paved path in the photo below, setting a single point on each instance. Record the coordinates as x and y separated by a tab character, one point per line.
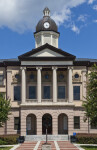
56	145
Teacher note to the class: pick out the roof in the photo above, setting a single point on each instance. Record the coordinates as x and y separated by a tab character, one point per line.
36	50
77	61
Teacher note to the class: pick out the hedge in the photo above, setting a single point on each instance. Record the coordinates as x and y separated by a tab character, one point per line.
86	138
8	139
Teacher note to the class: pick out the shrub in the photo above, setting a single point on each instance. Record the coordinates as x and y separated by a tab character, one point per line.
87	138
8	139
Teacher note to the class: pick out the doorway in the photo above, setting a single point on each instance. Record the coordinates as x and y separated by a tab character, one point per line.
47	124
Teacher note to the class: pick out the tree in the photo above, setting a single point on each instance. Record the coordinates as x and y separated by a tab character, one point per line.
4	109
90	104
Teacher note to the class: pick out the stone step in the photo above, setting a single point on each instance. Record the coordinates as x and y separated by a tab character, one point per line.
50	137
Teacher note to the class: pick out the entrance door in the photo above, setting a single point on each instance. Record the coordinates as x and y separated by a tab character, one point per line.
47	123
31	124
62	124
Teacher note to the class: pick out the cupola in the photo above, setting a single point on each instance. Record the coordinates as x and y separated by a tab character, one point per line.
46	30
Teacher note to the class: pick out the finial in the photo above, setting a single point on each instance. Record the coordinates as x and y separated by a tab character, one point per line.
46	11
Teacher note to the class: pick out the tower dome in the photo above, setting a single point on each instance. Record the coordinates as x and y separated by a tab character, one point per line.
46	23
46	31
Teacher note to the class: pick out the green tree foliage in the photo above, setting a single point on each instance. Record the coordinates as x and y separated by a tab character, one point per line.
4	109
90	104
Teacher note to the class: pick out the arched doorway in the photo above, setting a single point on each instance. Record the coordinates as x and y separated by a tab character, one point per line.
47	123
31	124
62	124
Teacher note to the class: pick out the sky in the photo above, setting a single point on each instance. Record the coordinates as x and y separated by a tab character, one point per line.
76	20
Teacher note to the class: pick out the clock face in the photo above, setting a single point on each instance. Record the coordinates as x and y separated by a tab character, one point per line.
46	25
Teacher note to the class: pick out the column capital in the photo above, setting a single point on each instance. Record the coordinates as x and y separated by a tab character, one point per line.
70	67
84	70
22	68
38	68
54	68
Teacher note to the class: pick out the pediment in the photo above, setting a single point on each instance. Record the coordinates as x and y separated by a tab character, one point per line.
46	53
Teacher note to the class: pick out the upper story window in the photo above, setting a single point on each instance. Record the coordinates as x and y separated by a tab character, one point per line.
1	79
32	92
17	93
76	122
76	76
61	92
17	76
76	92
46	92
32	76
46	76
61	77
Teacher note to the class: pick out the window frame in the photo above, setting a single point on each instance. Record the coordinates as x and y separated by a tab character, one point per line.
14	93
43	92
2	79
93	127
17	124
58	91
77	122
76	93
36	92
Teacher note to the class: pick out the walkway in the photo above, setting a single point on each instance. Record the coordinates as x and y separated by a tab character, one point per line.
56	145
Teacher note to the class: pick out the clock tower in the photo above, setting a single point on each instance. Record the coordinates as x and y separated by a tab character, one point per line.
46	31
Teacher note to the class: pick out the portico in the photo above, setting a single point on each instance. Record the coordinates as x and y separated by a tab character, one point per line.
53	81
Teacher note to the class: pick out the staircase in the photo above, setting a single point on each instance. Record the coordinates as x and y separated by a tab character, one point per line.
50	137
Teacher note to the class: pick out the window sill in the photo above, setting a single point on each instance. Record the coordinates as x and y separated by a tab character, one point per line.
2	85
35	100
61	100
47	100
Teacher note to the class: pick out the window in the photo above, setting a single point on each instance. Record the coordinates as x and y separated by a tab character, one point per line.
32	76
61	76
17	93
16	123
46	76
76	75
61	92
1	79
76	92
17	76
93	126
76	122
32	92
46	92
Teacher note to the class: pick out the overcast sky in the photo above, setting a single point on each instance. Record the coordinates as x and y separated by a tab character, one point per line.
76	20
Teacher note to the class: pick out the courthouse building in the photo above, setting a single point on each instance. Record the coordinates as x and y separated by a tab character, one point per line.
47	87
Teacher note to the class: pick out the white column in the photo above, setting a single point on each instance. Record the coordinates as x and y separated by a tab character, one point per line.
84	83
39	84
54	84
70	86
23	84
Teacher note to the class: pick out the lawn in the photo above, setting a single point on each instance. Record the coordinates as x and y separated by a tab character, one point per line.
5	148
89	147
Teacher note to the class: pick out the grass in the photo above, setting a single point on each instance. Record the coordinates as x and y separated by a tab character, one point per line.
5	148
89	147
